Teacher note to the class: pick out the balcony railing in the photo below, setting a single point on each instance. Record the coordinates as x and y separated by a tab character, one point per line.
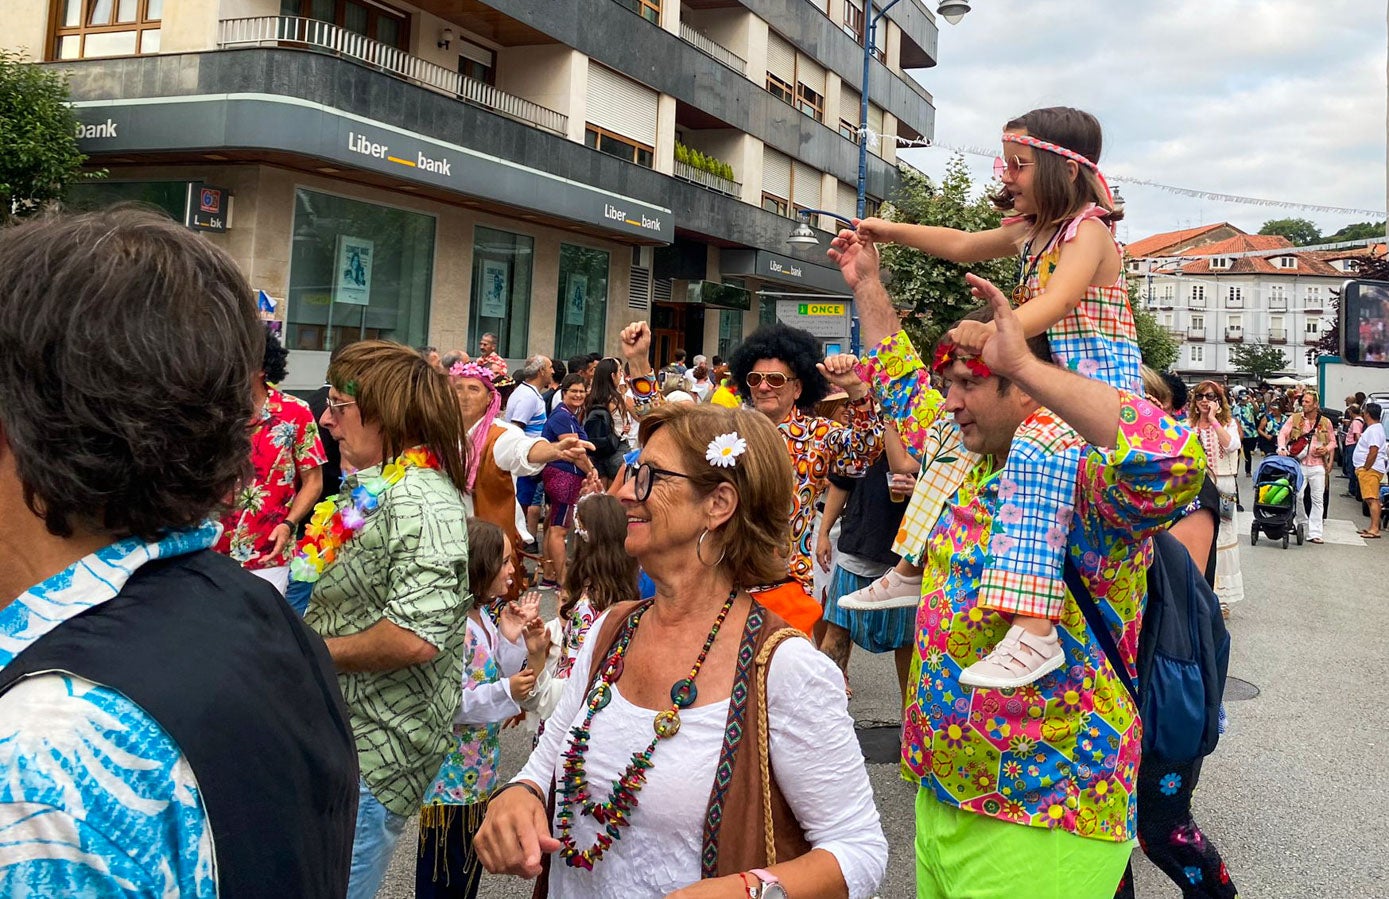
686	172
1278	304
1234	335
1310	338
1312	304
1277	335
712	48
1195	333
329	38
1234	302
1196	303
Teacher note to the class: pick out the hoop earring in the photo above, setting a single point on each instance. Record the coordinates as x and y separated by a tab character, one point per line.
699	551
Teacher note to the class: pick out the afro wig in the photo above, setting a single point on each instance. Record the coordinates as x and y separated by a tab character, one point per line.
793	346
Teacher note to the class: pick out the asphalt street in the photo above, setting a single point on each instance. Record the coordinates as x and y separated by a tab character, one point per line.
1295	797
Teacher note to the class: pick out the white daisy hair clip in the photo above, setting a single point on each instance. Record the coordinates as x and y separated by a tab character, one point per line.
723	451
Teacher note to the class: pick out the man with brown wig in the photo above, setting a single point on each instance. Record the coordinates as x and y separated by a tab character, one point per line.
389	562
168	725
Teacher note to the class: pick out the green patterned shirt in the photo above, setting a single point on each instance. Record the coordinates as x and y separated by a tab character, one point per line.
409	565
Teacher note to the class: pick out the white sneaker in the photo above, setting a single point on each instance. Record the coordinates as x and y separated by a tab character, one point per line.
1019	659
891	591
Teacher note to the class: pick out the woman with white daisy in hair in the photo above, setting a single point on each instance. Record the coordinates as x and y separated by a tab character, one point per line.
780	372
702	746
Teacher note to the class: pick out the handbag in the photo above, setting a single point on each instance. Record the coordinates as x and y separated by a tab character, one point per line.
1297	447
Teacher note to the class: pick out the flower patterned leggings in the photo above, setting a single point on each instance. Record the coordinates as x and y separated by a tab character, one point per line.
1170	837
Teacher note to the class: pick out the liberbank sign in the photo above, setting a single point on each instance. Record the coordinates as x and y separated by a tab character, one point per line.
291	125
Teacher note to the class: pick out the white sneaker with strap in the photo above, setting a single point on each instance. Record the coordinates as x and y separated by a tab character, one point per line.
1019	659
891	591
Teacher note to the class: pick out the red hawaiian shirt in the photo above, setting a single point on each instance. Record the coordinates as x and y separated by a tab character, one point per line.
284	442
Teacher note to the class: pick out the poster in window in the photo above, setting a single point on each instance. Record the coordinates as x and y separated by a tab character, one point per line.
353	282
494	289
576	300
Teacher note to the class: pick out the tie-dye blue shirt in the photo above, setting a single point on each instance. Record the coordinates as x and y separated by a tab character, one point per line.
95	798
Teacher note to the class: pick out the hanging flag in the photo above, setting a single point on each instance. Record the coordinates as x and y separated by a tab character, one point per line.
263	302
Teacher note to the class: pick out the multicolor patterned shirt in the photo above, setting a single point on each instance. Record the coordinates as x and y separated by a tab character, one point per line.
1063	752
407	565
96	799
284	444
819	448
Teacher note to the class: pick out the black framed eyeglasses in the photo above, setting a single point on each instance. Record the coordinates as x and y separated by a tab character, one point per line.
775	379
1207	396
644	477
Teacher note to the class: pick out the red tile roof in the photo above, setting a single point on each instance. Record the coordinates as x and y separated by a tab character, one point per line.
1307	264
1154	245
1243	243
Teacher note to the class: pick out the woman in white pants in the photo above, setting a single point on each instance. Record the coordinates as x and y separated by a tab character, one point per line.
1307	437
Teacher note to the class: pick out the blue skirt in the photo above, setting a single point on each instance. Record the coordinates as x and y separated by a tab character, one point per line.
874	631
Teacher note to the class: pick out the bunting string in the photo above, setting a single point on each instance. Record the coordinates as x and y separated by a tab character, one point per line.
874	139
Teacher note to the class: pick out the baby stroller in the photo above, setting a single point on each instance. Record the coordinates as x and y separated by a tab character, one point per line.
1278	485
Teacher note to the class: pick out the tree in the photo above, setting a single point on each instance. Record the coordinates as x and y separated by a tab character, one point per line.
1301	232
933	291
1258	360
1358	231
38	137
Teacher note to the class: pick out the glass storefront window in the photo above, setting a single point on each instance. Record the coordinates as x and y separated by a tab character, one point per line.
88	196
730	330
582	307
501	299
357	271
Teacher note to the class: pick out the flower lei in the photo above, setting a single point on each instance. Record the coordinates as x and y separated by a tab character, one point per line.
336	521
947	353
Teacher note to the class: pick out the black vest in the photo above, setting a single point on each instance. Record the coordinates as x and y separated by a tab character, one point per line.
250	696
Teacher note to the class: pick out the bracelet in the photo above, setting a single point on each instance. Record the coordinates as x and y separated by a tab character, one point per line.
534	791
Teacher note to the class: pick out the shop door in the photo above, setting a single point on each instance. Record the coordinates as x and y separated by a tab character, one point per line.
667	332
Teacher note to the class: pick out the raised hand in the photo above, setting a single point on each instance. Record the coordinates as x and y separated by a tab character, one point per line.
635	341
841	370
856	257
1006	351
970	337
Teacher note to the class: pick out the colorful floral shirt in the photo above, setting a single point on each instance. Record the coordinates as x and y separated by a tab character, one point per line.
1245	415
96	799
469	772
819	448
576	628
284	444
407	565
1063	752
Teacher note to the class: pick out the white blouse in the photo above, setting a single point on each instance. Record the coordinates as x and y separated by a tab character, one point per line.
815	758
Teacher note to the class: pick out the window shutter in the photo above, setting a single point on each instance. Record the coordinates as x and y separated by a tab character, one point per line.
781	58
811	75
776	173
848	103
621	105
806	186
848	200
875	119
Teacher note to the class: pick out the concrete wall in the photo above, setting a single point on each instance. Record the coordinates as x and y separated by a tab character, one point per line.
543	74
26	28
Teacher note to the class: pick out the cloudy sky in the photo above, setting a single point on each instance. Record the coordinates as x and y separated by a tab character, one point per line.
1262	98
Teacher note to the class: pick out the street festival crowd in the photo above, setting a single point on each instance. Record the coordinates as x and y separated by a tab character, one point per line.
238	660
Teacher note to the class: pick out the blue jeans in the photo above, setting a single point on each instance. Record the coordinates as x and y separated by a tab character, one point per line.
372	844
297	595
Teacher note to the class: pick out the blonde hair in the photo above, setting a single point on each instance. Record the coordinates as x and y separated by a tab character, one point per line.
1156	389
412	403
755	542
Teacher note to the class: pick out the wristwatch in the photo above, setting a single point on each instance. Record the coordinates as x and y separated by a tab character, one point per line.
771	885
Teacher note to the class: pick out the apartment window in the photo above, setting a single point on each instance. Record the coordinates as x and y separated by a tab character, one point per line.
848	130
1287	262
1313	298
1198	322
605	141
477	62
880	39
1169	293
1220	262
810	103
1312	328
1276	294
1198	355
853	20
1198	294
780	89
773	203
91	28
650	10
369	19
1235	296
872	206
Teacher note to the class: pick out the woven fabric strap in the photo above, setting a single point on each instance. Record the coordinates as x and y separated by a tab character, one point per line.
763	657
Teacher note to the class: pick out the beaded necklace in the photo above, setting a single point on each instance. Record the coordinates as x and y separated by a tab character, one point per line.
615	812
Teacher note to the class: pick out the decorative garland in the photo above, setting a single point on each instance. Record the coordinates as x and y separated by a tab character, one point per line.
573	790
336	521
947	353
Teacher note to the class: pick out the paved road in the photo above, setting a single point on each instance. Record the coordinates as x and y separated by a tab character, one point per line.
1296	795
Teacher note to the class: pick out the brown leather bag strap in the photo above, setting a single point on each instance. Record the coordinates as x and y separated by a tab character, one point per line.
763	753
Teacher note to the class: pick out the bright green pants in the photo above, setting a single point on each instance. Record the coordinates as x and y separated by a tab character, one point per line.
963	855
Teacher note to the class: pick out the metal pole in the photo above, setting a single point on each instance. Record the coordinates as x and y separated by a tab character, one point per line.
870	38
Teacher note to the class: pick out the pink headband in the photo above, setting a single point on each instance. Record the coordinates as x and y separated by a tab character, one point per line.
1028	140
473	370
478	372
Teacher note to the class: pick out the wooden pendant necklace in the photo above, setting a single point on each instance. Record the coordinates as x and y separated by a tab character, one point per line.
614	813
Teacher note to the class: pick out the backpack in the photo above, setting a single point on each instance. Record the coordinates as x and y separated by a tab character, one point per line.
1183	654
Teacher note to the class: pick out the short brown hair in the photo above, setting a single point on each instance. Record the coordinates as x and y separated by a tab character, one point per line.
129	344
413	403
1037	343
486	557
757	539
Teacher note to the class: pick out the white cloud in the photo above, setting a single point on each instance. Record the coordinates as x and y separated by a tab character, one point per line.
1278	99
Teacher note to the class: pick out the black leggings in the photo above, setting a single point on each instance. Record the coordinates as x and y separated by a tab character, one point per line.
1250	443
1170	837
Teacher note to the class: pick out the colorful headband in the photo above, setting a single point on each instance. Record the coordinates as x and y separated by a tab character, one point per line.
948	353
473	370
1028	140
